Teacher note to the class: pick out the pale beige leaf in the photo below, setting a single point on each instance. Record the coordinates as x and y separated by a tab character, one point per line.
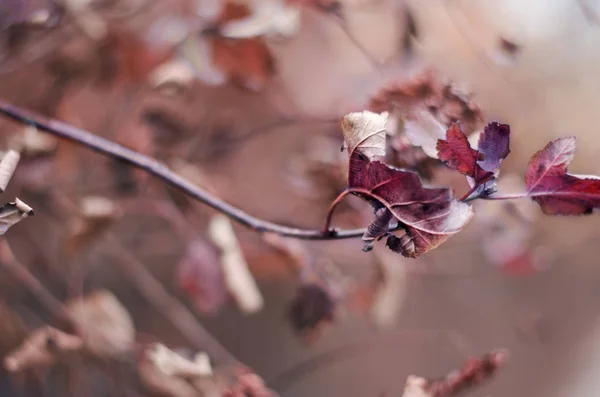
270	17
177	72
8	165
198	52
31	142
240	282
391	292
423	130
415	387
173	364
104	324
365	132
13	213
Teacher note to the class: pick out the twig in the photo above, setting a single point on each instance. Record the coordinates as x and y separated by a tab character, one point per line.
172	308
161	171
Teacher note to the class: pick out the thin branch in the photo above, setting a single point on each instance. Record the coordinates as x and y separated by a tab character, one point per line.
161	171
30	282
172	308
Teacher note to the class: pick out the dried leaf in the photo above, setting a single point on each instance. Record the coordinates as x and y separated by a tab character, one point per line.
311	308
271	18
175	73
201	276
13	213
429	216
173	364
240	282
104	324
556	191
198	52
365	132
42	348
8	165
247	62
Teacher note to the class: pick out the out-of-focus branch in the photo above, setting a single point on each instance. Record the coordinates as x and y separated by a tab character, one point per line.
172	308
161	171
29	281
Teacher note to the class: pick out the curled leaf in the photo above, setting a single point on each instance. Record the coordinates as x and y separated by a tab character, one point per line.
8	165
173	364
429	216
556	191
13	213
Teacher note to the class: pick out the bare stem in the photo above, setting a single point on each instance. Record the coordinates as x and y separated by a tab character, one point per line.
161	171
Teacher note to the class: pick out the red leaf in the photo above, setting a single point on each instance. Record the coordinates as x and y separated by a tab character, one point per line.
457	153
494	144
557	192
429	216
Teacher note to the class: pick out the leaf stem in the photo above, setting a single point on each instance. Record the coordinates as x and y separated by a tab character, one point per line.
161	171
510	196
334	204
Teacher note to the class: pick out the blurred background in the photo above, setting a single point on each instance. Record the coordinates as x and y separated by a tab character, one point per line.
245	99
